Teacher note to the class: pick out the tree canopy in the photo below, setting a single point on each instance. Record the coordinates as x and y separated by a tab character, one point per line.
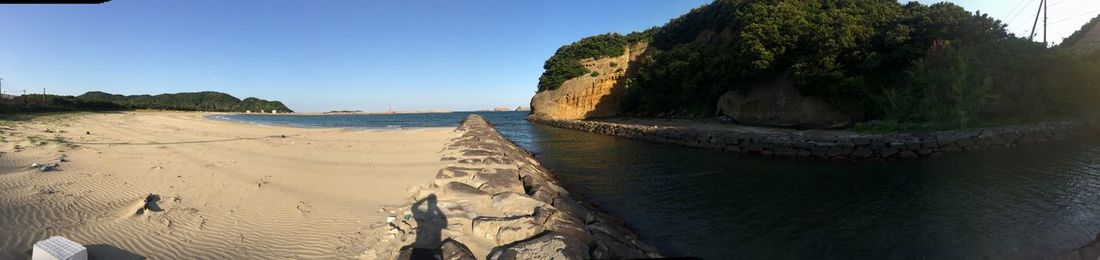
196	101
566	62
882	59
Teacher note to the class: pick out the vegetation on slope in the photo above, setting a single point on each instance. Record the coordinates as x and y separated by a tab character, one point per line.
1080	34
53	103
100	101
566	62
909	63
196	101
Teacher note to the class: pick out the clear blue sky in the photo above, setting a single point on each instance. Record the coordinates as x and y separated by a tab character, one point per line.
328	55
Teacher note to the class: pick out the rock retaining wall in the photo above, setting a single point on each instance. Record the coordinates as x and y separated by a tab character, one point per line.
494	201
800	144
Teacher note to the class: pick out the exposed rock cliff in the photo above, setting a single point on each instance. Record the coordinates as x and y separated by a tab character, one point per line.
594	95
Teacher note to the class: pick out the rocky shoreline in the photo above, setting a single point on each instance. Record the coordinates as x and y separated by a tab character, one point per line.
1086	252
834	145
494	201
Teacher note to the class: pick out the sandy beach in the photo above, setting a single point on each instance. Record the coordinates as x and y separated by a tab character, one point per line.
175	185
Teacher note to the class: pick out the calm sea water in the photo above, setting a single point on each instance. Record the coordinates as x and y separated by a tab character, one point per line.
1028	203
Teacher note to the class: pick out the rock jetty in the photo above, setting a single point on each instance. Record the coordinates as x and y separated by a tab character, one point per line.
834	145
494	201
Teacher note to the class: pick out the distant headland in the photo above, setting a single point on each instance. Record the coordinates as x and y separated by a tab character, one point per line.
210	101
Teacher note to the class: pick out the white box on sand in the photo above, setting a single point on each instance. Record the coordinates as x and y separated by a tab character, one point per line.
58	248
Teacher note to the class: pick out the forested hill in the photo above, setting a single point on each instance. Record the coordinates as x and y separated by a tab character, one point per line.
1086	40
876	60
194	101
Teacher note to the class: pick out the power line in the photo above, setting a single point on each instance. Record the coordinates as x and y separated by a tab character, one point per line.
1015	13
1078	15
1011	15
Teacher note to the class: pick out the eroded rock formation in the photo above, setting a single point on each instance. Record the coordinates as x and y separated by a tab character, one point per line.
588	96
495	201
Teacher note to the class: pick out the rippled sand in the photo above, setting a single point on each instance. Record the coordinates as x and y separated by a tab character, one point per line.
223	189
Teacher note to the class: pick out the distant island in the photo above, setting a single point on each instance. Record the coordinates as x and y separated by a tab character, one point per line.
101	101
848	65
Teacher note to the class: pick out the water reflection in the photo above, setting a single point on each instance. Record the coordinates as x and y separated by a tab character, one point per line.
1025	203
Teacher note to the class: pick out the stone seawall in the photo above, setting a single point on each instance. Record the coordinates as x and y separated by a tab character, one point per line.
836	145
494	201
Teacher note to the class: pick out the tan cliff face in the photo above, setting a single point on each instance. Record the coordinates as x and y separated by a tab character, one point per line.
587	96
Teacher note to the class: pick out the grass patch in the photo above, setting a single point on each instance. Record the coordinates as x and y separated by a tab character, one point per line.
62	141
36	140
44	117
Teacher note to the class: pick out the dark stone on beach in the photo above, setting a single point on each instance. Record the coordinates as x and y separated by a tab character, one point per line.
411	253
453	250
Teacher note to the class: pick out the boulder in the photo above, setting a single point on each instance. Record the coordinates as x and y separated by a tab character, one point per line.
453	250
498	181
549	245
779	103
504	230
515	204
570	207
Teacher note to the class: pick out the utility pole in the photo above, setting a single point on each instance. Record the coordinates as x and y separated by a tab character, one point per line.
1033	25
1045	9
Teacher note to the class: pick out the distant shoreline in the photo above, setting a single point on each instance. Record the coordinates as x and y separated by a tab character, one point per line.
355	121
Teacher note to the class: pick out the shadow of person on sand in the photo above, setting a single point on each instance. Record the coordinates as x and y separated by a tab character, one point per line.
430	223
104	251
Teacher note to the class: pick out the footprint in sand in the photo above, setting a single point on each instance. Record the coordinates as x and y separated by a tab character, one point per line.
263	181
143	206
304	207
